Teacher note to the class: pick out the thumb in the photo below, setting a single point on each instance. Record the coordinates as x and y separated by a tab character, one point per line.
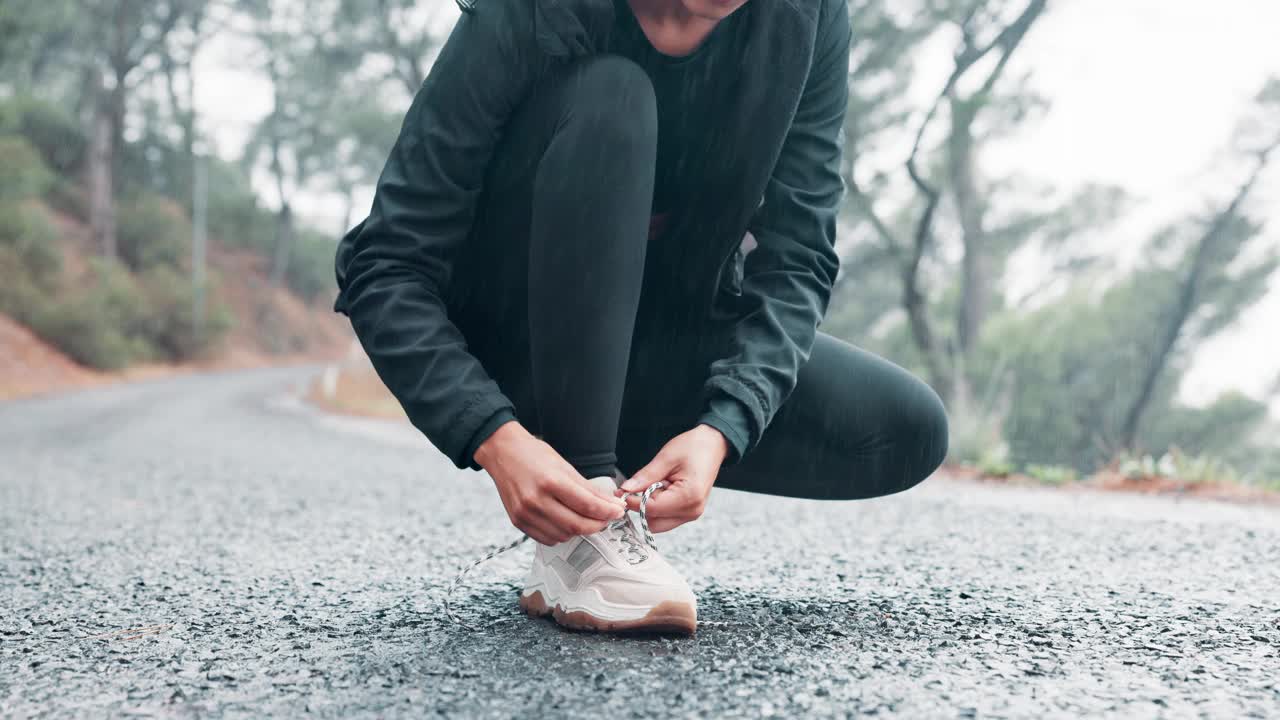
655	471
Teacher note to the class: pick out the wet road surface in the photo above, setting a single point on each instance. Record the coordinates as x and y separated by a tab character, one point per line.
199	546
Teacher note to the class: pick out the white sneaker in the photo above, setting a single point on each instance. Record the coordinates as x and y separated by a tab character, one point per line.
613	580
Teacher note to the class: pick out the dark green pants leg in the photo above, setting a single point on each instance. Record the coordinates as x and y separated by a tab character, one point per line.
856	426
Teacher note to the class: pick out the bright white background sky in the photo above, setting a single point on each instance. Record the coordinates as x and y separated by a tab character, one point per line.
1143	94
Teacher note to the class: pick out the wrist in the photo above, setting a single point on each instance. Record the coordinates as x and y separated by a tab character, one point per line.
496	444
716	439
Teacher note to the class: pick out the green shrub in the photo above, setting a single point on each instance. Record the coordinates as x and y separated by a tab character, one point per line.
1216	429
994	461
24	174
97	324
82	328
1070	381
118	319
69	197
51	130
168	322
234	214
1145	466
310	271
152	231
1052	474
28	231
1178	465
1201	468
20	296
1262	464
974	434
10	116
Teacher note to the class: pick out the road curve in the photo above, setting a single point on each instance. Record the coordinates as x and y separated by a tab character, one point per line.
204	546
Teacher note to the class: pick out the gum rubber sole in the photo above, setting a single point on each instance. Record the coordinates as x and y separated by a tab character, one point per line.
667	617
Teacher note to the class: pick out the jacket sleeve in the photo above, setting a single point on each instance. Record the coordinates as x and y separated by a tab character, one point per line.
394	267
788	277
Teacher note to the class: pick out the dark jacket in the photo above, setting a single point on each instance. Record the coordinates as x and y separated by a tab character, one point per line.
776	174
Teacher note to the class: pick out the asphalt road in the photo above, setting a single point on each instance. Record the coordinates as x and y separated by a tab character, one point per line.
199	546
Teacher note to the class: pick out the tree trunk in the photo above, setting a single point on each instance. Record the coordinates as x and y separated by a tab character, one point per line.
184	116
102	210
914	301
1187	303
283	245
975	278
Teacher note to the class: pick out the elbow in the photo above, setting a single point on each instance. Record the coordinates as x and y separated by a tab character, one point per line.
371	260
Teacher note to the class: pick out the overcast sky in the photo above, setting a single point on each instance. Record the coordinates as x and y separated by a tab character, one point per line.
1143	94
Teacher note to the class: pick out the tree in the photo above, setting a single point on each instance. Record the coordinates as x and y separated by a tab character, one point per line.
374	36
286	37
1086	371
34	34
177	59
365	134
989	35
327	128
400	32
122	35
1212	279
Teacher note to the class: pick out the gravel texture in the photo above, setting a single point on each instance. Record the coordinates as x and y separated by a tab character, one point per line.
201	546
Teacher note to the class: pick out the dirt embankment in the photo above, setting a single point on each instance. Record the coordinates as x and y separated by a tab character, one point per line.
1110	479
270	326
29	365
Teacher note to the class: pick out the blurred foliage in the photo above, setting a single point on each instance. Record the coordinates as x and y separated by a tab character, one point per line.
1216	429
1065	373
28	233
114	318
993	461
97	323
25	174
137	305
1178	465
310	272
1146	466
63	64
235	212
60	144
152	231
166	325
1083	364
1052	474
49	128
1265	471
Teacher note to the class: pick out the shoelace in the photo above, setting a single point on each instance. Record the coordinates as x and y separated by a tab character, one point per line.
623	532
623	536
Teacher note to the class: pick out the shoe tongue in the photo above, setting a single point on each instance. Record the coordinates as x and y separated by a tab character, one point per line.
623	530
604	483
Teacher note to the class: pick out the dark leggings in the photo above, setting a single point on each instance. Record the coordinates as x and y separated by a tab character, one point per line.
554	296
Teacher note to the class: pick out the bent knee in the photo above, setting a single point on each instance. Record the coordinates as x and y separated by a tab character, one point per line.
912	440
925	436
613	97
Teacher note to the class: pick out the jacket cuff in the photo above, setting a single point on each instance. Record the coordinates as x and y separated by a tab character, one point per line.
469	427
488	427
731	418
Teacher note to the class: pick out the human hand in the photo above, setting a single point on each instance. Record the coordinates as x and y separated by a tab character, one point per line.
689	463
543	495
